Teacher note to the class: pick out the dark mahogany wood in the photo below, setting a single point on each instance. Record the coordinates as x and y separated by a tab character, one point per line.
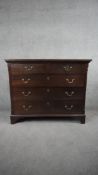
47	80
56	93
48	106
47	88
58	68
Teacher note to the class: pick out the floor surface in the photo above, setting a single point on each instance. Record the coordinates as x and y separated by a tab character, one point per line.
49	147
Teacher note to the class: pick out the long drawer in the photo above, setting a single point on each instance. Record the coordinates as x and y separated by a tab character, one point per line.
48	107
54	68
46	80
21	93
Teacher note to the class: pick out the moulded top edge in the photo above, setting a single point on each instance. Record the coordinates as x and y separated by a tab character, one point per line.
47	60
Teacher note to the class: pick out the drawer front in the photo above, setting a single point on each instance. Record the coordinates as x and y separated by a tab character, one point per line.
19	69
48	107
49	80
48	93
52	68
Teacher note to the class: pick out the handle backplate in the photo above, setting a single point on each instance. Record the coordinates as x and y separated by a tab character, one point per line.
69	108
70	81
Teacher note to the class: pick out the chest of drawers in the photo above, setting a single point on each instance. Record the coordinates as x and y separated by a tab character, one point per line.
47	88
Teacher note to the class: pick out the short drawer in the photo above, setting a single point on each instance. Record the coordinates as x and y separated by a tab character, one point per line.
49	80
21	93
19	69
48	107
66	68
52	68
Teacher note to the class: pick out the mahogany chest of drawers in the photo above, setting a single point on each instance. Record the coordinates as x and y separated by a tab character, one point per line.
47	88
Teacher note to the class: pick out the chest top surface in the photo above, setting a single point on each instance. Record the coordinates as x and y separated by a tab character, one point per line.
48	60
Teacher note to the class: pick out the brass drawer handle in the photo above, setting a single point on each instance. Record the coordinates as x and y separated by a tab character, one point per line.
48	77
67	68
69	93
26	93
69	108
70	81
47	90
27	108
29	67
48	103
26	80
